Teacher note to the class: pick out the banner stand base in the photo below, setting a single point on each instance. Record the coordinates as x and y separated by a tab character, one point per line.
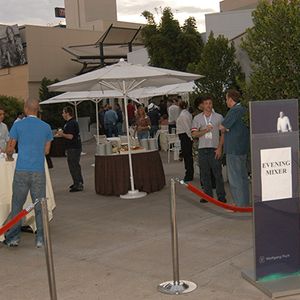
276	288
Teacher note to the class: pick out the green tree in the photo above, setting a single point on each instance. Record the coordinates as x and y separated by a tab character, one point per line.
12	107
273	46
51	113
220	70
169	45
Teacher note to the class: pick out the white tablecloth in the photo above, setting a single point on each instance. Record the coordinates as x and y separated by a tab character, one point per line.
7	170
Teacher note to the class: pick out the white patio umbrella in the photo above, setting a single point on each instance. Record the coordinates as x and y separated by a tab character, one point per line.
124	78
75	98
187	87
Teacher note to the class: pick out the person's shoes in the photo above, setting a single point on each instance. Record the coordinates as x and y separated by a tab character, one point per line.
39	244
71	186
11	243
223	200
203	201
76	189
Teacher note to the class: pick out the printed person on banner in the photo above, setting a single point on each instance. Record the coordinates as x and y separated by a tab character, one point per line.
206	127
236	146
34	138
283	123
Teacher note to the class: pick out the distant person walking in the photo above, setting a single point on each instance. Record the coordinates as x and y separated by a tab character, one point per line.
34	138
236	147
173	113
119	113
110	122
154	116
184	126
142	124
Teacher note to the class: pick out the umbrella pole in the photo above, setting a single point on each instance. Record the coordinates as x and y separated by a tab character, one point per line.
76	113
97	121
132	194
129	145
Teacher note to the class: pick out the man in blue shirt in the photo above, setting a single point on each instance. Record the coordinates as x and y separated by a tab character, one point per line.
34	140
110	122
236	146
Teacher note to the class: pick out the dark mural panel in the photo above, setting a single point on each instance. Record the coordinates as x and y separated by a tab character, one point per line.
11	48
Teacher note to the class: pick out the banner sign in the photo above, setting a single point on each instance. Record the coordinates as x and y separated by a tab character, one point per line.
275	193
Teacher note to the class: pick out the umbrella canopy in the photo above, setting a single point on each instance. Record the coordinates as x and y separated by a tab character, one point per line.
116	75
187	87
124	78
82	96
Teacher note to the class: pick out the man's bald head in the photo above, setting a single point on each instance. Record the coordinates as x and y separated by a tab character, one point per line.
31	107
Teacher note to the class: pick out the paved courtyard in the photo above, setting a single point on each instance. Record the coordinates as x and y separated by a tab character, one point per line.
107	248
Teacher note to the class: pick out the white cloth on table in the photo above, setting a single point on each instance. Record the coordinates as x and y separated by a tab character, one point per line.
7	170
4	135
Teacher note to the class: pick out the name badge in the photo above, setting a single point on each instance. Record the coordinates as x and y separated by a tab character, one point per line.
208	135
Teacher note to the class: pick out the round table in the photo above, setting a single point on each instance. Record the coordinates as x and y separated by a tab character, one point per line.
112	173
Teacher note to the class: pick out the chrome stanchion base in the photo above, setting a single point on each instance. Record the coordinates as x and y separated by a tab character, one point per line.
133	195
175	288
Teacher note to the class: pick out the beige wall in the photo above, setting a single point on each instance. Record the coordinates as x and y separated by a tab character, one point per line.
90	14
45	57
14	82
45	54
228	5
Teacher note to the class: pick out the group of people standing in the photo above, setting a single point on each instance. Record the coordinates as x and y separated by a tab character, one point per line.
217	135
111	120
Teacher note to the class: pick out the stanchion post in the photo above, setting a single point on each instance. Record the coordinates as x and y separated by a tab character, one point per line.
174	233
176	286
48	250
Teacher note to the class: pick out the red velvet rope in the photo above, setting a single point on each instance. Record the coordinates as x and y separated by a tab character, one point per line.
216	202
13	221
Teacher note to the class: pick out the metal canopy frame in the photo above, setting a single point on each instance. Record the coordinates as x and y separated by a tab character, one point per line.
109	41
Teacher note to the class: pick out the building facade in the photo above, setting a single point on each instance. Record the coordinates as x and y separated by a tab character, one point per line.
86	22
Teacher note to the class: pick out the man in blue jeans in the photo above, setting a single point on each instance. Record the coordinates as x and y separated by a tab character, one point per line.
34	140
236	146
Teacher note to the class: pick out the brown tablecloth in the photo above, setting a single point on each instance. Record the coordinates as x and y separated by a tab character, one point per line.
112	173
57	147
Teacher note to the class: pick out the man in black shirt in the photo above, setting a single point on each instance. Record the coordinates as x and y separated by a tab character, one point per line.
73	148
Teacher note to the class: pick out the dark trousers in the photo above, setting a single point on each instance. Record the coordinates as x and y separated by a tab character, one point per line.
171	126
153	130
187	153
207	164
111	129
73	158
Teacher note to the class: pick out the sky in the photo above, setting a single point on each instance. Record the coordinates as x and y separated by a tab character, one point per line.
41	12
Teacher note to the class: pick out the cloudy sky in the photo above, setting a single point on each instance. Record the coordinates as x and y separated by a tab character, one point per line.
41	12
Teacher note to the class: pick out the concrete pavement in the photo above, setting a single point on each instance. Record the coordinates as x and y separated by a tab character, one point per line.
107	248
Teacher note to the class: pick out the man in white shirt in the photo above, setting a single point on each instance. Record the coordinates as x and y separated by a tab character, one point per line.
4	136
173	112
206	127
183	129
283	123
